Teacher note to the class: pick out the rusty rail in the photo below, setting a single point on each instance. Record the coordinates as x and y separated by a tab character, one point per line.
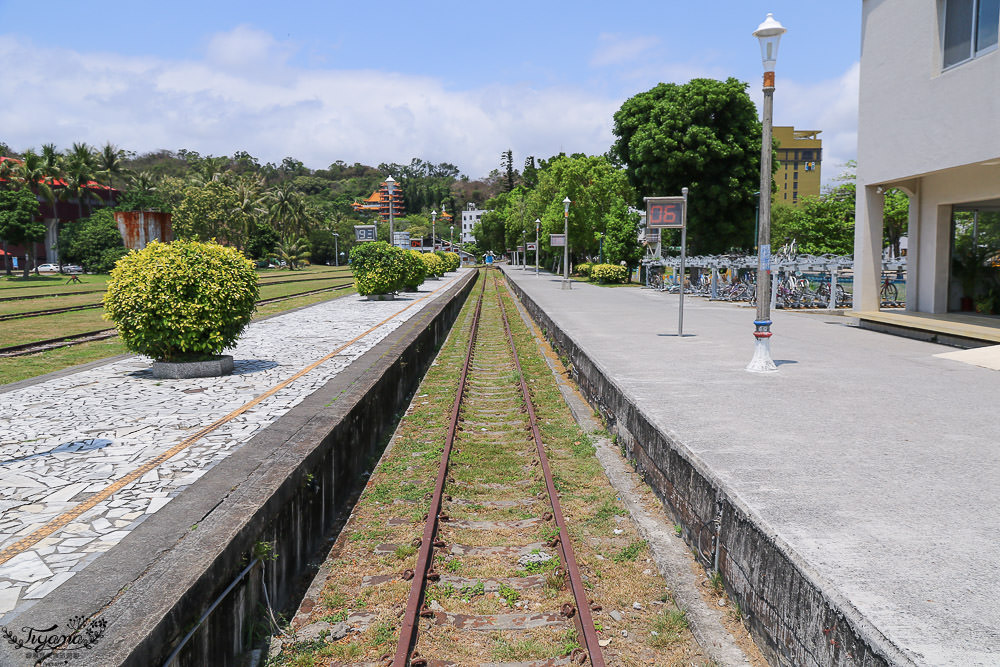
408	630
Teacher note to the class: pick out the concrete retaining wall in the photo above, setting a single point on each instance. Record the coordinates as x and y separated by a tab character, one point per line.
284	492
791	618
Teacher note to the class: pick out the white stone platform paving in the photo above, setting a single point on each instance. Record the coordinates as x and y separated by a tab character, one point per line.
69	437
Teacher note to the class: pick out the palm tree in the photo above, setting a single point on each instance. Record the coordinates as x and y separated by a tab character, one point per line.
30	174
79	167
283	210
110	163
251	205
293	251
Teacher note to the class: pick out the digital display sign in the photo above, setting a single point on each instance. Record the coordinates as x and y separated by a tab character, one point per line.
364	232
664	212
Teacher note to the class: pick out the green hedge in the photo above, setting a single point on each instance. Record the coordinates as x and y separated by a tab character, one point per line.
181	301
608	273
453	261
435	265
415	271
584	268
379	268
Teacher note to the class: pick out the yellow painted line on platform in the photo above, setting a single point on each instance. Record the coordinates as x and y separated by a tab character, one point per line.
63	519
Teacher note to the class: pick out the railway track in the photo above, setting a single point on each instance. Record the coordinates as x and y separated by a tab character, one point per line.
101	334
48	295
478	552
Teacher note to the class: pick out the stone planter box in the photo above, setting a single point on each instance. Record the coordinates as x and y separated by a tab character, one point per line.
381	297
180	370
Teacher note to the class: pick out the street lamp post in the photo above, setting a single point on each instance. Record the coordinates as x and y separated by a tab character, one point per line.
433	219
769	34
565	283
390	185
537	223
600	252
451	239
336	248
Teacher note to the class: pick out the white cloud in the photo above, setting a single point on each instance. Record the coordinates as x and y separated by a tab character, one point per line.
830	106
245	96
618	49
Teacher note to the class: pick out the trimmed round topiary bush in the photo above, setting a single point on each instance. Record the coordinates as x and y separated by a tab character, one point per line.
443	256
415	271
378	268
181	301
583	268
608	273
453	261
434	264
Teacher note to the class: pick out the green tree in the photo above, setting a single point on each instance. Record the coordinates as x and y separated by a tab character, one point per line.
703	135
621	237
211	211
595	188
294	252
88	241
18	209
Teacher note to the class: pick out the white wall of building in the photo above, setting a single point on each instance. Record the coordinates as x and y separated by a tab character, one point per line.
931	130
470	216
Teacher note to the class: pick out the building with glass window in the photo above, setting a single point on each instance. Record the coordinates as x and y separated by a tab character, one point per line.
929	125
470	216
799	155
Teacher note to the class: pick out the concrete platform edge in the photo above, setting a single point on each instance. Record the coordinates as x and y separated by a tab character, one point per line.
795	616
285	487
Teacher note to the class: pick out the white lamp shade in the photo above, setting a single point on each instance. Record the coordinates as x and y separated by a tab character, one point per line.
769	34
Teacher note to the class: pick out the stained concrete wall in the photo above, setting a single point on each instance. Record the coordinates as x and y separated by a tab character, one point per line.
790	617
291	486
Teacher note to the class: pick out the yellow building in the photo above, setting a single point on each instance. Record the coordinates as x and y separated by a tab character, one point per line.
799	155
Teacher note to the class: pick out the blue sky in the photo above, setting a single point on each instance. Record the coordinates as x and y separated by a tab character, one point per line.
444	81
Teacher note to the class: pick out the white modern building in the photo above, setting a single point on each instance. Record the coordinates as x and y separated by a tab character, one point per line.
470	216
929	124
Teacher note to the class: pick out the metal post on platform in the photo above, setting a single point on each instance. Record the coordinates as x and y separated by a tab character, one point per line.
832	303
769	34
434	215
390	185
565	282
684	236
537	223
336	248
715	283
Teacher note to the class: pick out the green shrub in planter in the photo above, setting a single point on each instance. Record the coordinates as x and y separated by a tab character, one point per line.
378	267
415	271
453	261
583	268
445	262
181	301
434	264
608	273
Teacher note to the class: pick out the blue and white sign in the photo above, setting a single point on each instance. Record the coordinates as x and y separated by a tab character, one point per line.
764	259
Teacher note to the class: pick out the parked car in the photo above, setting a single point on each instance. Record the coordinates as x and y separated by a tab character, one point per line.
72	268
48	268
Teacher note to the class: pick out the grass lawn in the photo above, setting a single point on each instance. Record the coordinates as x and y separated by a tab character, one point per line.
14	369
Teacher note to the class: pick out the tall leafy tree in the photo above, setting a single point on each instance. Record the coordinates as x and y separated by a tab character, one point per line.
621	236
18	210
210	211
703	135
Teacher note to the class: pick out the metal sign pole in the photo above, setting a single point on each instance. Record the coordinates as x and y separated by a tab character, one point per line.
680	308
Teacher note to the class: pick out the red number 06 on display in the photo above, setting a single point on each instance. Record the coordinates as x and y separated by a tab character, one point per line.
664	213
